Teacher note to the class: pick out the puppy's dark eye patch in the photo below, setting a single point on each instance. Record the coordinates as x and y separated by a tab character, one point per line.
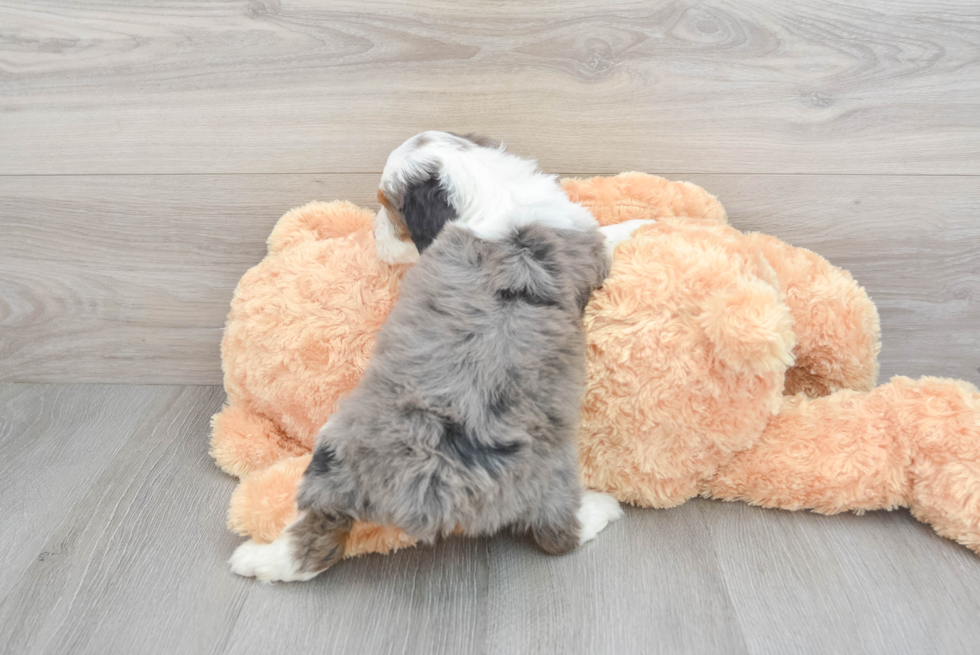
426	209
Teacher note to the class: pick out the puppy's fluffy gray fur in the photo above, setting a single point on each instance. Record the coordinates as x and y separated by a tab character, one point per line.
466	416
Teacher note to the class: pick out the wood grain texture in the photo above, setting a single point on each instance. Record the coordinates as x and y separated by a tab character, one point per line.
246	86
879	583
53	440
136	566
129	278
650	583
422	600
123	551
134	274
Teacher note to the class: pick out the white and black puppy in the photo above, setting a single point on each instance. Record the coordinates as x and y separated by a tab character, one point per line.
436	177
465	419
466	416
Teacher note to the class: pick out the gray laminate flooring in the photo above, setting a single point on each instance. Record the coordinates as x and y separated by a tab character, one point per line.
112	540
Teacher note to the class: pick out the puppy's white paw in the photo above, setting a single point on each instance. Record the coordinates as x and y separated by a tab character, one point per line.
616	234
268	562
597	511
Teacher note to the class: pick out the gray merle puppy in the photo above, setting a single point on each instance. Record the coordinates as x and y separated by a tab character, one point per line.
466	417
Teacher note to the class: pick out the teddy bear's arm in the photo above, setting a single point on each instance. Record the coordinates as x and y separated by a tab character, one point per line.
838	335
629	196
242	442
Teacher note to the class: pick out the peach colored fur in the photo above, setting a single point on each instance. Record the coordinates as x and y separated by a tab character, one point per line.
721	364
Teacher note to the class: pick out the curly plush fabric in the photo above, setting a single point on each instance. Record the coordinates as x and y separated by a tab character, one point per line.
721	364
300	333
688	347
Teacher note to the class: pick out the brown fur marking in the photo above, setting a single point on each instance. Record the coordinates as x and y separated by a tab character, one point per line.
395	216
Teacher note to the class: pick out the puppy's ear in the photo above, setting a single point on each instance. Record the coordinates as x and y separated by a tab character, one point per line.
426	209
481	141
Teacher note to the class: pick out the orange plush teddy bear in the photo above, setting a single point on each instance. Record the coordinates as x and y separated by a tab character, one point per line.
721	364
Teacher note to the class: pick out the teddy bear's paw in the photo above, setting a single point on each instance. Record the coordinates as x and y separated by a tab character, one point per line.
596	512
616	234
268	562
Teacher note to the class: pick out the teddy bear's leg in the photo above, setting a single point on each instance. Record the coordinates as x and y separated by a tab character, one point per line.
829	454
943	422
243	442
836	324
908	443
264	503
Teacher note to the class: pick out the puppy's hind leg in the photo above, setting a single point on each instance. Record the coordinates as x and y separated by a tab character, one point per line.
596	512
556	529
310	545
316	540
554	522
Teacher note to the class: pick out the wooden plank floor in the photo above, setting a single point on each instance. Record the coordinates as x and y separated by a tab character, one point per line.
113	541
147	148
